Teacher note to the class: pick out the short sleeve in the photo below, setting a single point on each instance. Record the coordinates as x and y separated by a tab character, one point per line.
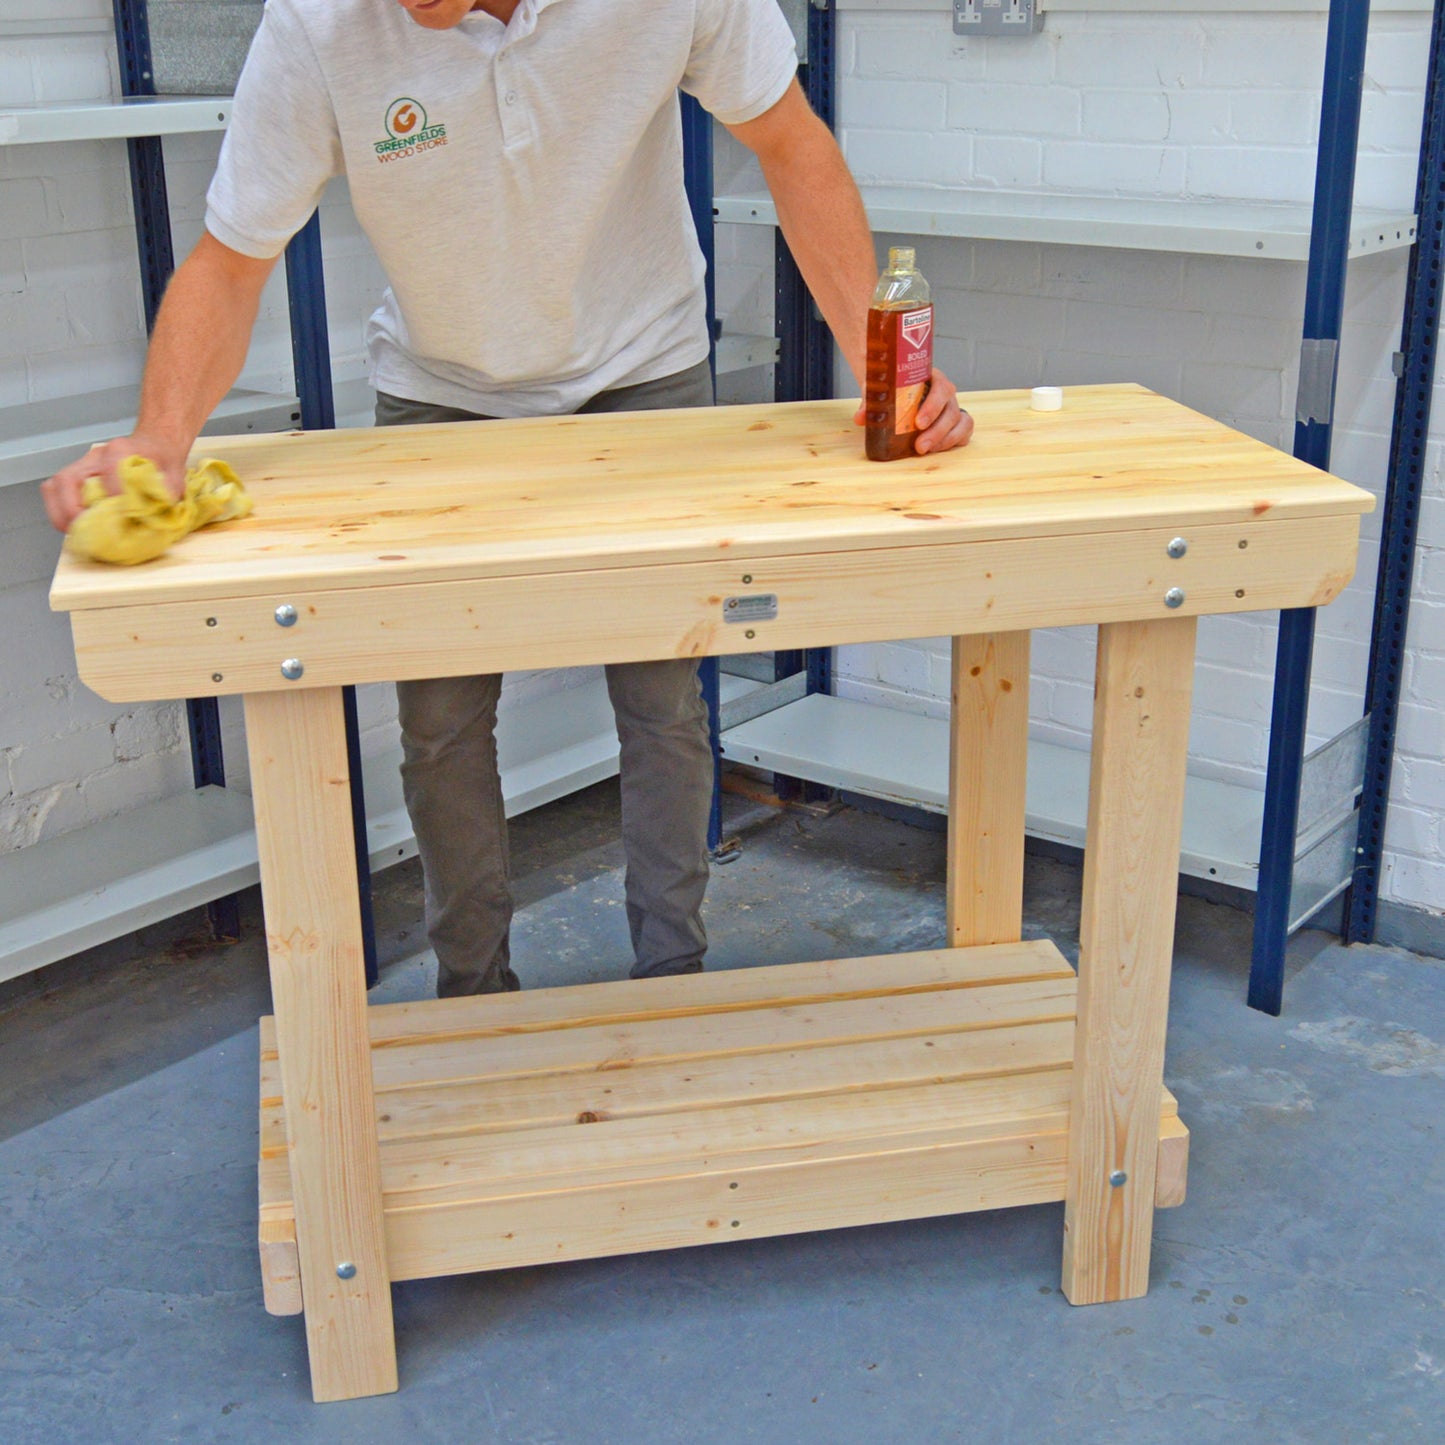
743	58
282	145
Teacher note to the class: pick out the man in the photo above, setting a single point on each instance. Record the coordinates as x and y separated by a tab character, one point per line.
517	167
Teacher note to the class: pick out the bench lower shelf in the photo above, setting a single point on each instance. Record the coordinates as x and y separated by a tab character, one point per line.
612	1118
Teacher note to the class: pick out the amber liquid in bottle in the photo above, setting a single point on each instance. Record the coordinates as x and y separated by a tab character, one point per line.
899	358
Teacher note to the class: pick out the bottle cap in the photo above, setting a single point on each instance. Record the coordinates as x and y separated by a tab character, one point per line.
1047	398
900	258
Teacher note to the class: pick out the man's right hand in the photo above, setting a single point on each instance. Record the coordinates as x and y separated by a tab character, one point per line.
62	492
196	353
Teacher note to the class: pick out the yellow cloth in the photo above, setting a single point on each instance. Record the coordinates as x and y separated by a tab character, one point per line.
143	519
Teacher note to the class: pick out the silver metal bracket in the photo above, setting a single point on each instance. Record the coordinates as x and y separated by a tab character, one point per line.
996	17
1317	366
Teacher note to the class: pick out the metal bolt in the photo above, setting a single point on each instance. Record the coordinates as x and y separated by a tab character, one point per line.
1178	547
216	677
747	577
346	1270
1174	597
1118	1177
292	668
751	633
285	615
1244	544
210	622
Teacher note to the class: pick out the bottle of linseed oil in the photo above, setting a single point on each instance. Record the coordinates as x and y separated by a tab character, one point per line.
900	357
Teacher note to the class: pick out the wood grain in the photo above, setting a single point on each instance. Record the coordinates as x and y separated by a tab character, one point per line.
1144	676
297	746
987	768
420	504
780	1098
385	632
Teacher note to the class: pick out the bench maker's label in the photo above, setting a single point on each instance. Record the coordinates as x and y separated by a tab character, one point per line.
761	607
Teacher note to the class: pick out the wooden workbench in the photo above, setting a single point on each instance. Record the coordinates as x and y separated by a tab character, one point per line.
440	1137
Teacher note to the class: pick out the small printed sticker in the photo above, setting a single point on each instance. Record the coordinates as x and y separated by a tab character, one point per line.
762	607
917	326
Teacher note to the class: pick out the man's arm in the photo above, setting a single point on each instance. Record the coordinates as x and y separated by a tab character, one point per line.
826	227
200	342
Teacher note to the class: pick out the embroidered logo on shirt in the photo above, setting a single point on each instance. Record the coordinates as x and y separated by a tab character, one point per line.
407	131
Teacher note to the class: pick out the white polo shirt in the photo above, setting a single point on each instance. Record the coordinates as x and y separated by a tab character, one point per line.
522	185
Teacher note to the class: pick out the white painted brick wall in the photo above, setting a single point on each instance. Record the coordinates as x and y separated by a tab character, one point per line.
1170	105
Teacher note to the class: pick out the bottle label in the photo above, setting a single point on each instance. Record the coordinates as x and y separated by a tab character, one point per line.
915	366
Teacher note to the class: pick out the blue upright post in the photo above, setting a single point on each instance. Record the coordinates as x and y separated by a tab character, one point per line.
697	175
311	356
156	254
805	345
1319	362
1410	435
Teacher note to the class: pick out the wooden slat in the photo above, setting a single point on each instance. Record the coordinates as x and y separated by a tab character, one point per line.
297	746
1145	674
621	1047
493	1105
280	1264
1171	1180
375	633
431	1119
714	992
701	1209
421	504
987	768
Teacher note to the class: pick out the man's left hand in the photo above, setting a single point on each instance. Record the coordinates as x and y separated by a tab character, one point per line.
942	423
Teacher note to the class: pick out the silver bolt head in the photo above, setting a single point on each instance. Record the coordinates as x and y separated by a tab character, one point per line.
1178	547
286	615
346	1270
1174	597
292	668
1118	1177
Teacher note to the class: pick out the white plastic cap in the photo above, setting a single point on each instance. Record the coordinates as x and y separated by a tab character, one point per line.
1047	398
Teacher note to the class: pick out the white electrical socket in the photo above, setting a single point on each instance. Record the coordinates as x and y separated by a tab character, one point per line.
996	17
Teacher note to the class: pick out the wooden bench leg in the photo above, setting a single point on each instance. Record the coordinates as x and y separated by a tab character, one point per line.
987	763
299	776
1131	877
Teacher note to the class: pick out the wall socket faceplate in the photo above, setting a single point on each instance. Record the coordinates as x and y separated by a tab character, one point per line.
996	17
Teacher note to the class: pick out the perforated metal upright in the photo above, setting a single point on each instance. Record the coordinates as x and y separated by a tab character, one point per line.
1278	913
805	345
151	206
311	352
1410	434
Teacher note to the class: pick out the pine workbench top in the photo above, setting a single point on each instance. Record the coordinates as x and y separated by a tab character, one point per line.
378	507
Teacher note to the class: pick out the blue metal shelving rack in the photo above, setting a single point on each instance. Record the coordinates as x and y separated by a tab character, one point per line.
157	260
1420	338
1324	309
311	351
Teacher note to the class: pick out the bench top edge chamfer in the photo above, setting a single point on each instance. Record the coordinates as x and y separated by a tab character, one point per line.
545	496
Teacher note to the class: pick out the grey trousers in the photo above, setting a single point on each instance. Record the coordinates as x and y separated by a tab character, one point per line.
454	796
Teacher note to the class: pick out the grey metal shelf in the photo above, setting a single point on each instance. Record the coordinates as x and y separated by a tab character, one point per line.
147	115
155	861
38	438
1202	227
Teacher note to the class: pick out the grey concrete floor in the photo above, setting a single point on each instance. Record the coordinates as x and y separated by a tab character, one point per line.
1298	1295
